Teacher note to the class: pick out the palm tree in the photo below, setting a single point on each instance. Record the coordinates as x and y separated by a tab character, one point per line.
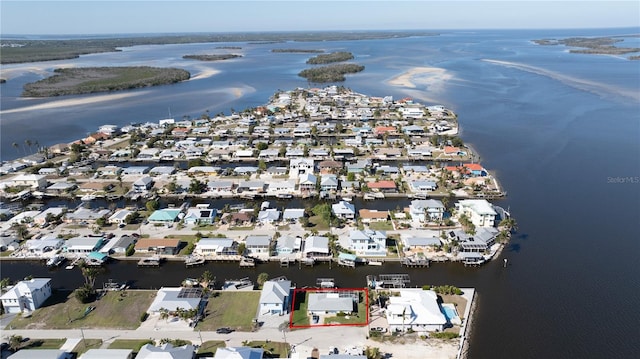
15	342
28	143
206	279
90	274
15	145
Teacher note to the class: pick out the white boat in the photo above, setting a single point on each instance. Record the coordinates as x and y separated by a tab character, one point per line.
190	282
55	261
374	262
284	195
87	197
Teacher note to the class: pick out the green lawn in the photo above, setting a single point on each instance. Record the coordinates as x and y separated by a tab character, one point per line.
235	310
44	344
209	348
272	349
133	344
357	318
86	344
381	226
300	315
116	310
240	228
319	223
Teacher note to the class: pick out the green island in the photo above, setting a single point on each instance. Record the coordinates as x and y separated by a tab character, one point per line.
304	51
332	57
75	81
331	73
19	50
595	45
211	57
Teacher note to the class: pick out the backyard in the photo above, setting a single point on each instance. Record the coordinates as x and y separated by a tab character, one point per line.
235	310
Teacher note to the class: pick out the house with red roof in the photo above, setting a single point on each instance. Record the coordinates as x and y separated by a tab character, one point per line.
383	186
381	130
475	169
454	151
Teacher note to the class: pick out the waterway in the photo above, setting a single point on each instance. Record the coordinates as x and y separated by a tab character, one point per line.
561	131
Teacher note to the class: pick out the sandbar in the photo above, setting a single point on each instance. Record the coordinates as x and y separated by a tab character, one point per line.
71	102
205	73
421	76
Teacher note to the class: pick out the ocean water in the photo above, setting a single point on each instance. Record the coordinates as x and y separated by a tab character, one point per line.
561	131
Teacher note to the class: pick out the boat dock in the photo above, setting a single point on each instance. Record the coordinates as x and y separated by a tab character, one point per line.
194	261
415	262
149	262
388	281
247	262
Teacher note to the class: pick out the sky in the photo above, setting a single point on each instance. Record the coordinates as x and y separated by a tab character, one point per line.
158	16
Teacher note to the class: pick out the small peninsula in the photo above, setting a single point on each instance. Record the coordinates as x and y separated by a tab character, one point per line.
75	81
331	73
595	45
329	58
211	57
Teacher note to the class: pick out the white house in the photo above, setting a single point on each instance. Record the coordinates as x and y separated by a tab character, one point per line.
415	309
200	214
344	210
298	166
216	246
239	353
107	354
315	246
120	216
368	242
288	244
258	244
173	298
27	295
41	246
166	351
275	297
143	184
426	210
38	182
269	216
329	303
479	211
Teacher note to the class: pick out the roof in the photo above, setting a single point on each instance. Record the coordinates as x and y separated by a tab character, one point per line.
381	184
262	240
238	353
474	166
165	215
83	242
420	307
107	354
275	291
329	302
343	207
26	286
293	213
145	243
316	244
373	214
347	256
480	206
269	215
174	298
420	241
422	204
214	243
39	354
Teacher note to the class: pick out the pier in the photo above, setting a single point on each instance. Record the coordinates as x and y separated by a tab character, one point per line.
415	262
149	262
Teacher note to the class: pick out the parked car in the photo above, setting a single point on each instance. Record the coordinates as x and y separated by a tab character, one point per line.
379	329
224	330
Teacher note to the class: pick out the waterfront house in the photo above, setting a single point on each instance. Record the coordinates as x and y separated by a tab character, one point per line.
318	153
269	154
359	167
454	151
275	297
135	170
413	130
388	153
61	187
220	186
329	183
344	210
37	182
85	215
329	303
206	170
330	166
420	242
368	215
41	218
307	182
479	211
253	186
38	247
83	245
120	216
258	244
118	246
368	242
200	214
480	242
243	154
216	246
419	152
421	186
426	210
475	169
245	170
162	171
292	214
166	215
276	187
299	166
238	218
239	353
343	153
315	246
277	171
383	186
270	215
166	246
288	244
171	299
416	310
40	354
26	295
9	244
142	184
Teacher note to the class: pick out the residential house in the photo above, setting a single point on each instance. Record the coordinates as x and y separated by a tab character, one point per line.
269	154
421	186
26	295
330	166
454	151
83	245
315	246
275	297
329	183
329	303
107	354
239	353
480	242
120	216
166	215
475	169
61	187
416	310
368	242
220	186
238	218
419	152
292	214
414	130
39	247
307	182
162	171
166	246
200	214
253	186
216	246
142	184
269	215
299	166
344	210
258	244
173	298
479	211
277	171
420	242
383	186
359	167
118	246
288	245
41	218
37	182
426	210
368	215
9	244
135	170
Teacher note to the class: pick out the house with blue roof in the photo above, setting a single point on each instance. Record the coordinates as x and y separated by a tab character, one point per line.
167	215
368	242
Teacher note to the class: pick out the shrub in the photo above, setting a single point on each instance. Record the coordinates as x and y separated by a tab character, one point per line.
144	316
426	287
130	250
444	335
85	294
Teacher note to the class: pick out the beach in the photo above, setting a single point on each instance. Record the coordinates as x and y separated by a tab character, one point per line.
72	102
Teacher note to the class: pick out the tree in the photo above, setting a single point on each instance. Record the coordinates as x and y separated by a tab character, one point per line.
242	247
197	186
373	353
351	176
132	217
206	279
21	230
172	186
262	146
4	283
28	143
90	274
262	278
15	342
15	145
152	205
102	221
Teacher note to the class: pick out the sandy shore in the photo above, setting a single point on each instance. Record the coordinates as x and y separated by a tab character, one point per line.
72	102
205	73
421	76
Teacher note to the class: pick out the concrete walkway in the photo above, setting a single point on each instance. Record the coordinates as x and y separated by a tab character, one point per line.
70	344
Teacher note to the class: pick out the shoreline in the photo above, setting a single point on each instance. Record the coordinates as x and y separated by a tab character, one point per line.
467	327
424	75
71	102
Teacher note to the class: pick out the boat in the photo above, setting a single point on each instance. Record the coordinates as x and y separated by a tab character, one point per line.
191	261
55	261
284	195
149	262
87	197
190	282
243	284
96	259
247	262
373	262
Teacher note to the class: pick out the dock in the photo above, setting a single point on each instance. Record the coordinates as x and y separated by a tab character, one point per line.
194	261
247	262
149	262
284	262
388	281
415	262
325	283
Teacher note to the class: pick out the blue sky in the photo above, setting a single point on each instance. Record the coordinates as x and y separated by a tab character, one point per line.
111	16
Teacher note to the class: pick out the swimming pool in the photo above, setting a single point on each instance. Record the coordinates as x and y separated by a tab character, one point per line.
450	312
